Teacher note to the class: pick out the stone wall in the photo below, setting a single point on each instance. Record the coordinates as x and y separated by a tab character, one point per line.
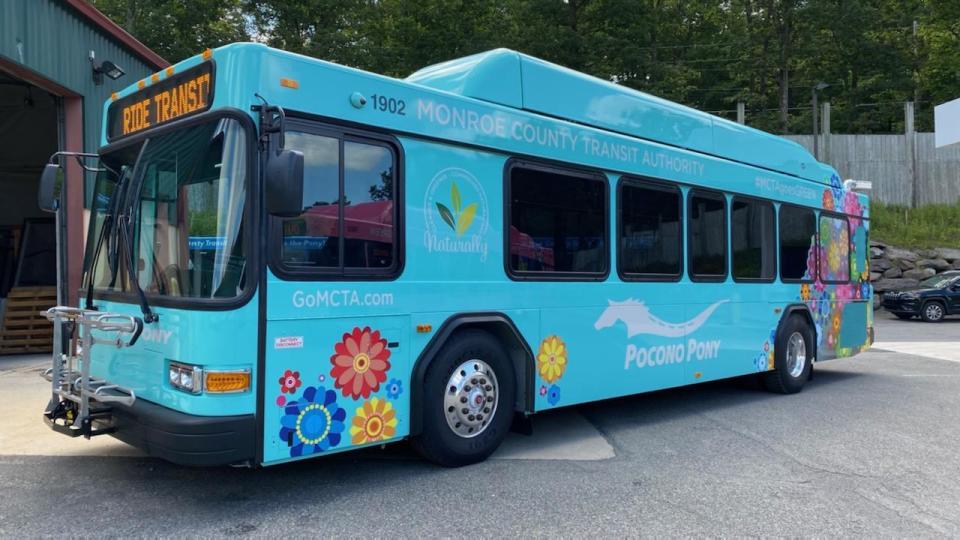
894	268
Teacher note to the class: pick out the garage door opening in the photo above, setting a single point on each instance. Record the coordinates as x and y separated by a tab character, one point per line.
30	131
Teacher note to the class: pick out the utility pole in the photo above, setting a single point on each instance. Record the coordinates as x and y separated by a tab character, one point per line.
741	112
815	113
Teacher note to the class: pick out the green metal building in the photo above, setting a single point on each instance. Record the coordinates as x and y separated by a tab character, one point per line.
59	61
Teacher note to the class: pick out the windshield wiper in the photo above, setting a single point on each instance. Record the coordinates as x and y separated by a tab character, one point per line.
117	233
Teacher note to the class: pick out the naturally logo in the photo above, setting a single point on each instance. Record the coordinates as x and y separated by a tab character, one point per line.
458	220
464	215
639	320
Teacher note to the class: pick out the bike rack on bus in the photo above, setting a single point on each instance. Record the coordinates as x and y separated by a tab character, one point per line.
79	401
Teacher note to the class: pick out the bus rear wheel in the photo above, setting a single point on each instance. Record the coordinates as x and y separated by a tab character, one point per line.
468	395
793	357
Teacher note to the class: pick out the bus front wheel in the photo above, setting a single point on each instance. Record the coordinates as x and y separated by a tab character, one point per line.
468	395
793	357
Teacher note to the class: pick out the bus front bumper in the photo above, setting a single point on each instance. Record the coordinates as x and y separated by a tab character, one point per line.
186	439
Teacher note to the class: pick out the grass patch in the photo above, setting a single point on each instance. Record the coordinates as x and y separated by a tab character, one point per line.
935	225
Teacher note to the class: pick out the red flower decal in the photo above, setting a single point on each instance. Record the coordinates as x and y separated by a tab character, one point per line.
290	382
360	362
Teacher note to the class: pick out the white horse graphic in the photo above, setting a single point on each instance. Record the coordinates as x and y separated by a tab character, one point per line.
639	320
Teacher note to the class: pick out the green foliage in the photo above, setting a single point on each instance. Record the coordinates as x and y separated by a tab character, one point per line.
930	226
706	54
177	29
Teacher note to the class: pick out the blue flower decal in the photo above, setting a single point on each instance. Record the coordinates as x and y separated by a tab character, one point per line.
761	362
394	388
837	188
312	423
865	290
553	394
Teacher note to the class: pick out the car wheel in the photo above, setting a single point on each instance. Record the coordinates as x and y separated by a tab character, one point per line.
903	316
793	357
468	396
933	311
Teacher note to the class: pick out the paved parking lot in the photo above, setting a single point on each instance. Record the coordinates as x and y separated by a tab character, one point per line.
868	448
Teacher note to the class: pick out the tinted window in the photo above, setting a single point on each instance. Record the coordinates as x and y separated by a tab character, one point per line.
752	237
796	239
834	249
557	222
708	235
650	230
348	206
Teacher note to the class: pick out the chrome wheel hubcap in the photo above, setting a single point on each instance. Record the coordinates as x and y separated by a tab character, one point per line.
470	398
934	312
796	354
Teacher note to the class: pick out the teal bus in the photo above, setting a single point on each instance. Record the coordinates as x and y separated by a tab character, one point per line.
289	258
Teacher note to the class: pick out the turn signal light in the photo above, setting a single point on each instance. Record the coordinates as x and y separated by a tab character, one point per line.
223	382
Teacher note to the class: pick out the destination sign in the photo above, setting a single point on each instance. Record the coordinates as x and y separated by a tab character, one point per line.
175	97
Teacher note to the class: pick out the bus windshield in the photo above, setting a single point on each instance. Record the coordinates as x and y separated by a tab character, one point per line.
185	194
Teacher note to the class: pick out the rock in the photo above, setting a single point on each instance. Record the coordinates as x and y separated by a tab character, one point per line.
880	264
905	264
937	264
949	254
877	301
877	243
875	252
919	273
956	265
876	275
894	284
927	253
901	254
894	272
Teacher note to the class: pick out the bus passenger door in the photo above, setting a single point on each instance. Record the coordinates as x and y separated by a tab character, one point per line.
336	366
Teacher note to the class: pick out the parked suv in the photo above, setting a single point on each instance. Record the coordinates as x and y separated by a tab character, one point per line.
934	299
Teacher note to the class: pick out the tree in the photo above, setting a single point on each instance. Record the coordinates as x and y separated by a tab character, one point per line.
177	29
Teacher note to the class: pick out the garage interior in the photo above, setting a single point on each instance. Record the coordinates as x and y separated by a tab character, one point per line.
30	131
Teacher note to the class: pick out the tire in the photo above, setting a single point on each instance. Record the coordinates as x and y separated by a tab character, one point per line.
933	311
903	316
787	377
452	438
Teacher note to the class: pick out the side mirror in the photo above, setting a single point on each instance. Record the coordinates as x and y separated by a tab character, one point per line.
284	183
49	192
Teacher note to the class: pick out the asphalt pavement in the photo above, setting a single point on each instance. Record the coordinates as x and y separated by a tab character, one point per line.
869	448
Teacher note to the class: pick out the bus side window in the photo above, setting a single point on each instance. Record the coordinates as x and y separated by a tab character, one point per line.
347	224
797	232
707	225
834	250
650	235
752	235
557	223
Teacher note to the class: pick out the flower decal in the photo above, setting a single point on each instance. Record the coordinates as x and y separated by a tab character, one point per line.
290	382
376	420
312	423
805	292
360	363
281	400
552	359
553	394
827	199
543	390
394	388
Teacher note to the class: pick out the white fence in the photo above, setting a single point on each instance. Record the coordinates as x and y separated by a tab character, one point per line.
895	164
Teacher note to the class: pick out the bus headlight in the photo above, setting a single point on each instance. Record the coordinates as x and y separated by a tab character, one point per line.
186	377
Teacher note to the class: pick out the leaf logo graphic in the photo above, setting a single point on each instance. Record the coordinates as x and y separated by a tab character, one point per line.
460	218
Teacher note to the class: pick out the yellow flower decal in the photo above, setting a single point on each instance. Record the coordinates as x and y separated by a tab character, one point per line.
376	420
805	292
552	358
770	360
836	323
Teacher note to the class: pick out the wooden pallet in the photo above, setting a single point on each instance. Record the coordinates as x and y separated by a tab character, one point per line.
25	329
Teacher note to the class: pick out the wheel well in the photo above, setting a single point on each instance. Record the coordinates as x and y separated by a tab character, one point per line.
503	330
802	311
